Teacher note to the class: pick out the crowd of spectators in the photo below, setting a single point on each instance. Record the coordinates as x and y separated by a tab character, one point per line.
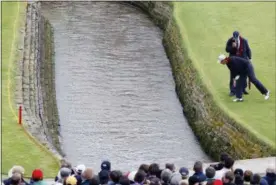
222	173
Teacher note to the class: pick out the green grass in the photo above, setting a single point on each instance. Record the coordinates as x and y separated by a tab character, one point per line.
205	28
17	148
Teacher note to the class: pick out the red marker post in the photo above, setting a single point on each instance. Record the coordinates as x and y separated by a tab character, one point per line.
20	115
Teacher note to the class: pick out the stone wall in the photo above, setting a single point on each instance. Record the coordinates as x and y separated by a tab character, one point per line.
215	130
35	81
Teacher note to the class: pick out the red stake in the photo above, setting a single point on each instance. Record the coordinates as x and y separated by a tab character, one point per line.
20	115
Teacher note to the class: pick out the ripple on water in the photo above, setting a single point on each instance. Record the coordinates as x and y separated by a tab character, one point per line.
115	90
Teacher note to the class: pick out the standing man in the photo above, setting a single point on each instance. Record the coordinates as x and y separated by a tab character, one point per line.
241	68
237	46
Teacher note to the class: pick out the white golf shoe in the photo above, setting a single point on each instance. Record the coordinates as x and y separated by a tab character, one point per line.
267	95
238	100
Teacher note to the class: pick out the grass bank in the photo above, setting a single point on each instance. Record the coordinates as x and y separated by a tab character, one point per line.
17	147
205	28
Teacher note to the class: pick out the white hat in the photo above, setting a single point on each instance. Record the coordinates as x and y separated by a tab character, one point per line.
80	168
221	58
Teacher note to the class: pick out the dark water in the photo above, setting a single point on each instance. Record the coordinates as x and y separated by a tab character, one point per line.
115	90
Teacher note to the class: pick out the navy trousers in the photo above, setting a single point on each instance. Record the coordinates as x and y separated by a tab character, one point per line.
252	78
231	84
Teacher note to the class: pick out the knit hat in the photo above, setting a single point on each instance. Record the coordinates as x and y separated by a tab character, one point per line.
217	182
65	172
236	34
71	180
37	174
184	171
106	165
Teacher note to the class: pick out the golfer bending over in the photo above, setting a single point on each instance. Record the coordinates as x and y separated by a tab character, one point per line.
241	68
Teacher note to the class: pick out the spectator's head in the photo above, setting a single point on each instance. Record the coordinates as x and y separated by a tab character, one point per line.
255	179
184	172
236	34
270	171
238	171
228	177
16	178
144	167
37	175
223	157
175	178
198	167
140	176
80	168
65	172
210	172
66	164
71	180
87	174
115	176
131	176
154	169
106	165
93	181
170	166
194	180
103	176
16	169
238	179
229	162
247	175
217	182
183	182
124	181
155	181
166	175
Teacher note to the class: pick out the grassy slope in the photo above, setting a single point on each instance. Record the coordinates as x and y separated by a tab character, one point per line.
17	148
205	28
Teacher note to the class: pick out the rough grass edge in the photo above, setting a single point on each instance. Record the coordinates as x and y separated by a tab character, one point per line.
206	118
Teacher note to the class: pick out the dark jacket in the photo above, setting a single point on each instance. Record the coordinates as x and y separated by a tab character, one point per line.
244	50
201	176
85	182
217	166
238	66
9	182
270	178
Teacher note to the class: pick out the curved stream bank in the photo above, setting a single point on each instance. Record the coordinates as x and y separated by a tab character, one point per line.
115	89
216	131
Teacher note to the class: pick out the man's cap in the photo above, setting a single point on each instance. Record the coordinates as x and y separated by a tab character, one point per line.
236	34
80	168
106	165
71	180
193	179
184	171
238	171
221	57
37	174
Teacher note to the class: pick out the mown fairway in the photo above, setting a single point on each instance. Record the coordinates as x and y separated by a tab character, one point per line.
17	148
206	27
